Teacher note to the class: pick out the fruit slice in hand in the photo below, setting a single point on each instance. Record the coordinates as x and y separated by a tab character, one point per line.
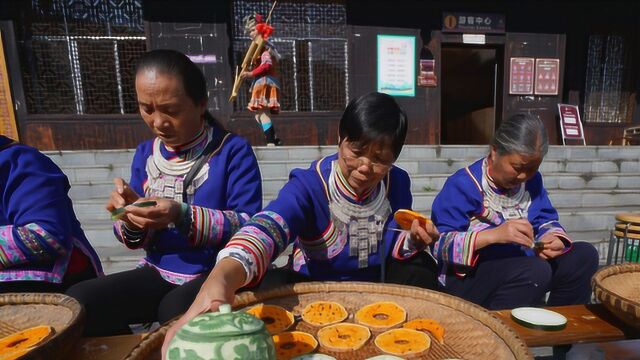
405	217
118	213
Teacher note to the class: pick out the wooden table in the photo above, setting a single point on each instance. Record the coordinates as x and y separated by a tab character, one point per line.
585	324
614	350
106	348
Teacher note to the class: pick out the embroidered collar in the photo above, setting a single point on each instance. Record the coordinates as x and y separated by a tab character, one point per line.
189	150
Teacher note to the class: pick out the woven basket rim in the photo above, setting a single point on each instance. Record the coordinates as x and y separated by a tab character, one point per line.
510	337
609	271
77	311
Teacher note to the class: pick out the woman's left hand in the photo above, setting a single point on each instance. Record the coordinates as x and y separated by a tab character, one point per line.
155	217
426	234
553	247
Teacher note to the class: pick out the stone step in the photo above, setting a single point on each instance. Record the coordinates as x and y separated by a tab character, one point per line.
278	168
409	152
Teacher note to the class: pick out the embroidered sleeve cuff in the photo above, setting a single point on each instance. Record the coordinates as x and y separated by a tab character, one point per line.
406	247
457	247
186	219
245	259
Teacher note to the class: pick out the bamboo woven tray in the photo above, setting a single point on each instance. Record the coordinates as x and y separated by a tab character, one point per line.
19	311
471	332
618	289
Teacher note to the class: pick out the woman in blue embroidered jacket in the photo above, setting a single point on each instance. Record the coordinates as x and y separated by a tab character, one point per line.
337	213
42	246
183	233
493	212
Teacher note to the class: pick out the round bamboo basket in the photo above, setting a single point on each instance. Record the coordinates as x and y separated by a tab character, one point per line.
618	289
20	311
471	332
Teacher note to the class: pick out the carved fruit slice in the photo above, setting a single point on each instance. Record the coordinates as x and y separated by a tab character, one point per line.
293	343
276	319
24	339
13	355
381	315
322	313
343	337
403	342
427	325
405	217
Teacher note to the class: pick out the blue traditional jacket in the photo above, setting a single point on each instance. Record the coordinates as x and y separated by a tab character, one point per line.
470	202
225	193
322	248
38	227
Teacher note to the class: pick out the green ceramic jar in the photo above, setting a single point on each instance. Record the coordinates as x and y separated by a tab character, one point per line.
224	335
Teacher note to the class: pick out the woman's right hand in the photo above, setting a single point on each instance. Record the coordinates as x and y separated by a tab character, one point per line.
206	300
517	231
121	196
220	287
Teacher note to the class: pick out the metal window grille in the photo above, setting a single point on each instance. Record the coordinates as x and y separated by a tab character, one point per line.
78	56
606	98
311	37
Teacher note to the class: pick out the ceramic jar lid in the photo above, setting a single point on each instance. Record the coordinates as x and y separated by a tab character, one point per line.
224	323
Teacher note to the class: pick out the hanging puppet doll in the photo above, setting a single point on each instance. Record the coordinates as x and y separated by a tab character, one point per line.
265	87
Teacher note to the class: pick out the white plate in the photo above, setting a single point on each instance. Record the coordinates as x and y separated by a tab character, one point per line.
539	318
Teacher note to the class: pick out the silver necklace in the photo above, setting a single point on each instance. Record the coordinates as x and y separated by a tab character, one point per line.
364	223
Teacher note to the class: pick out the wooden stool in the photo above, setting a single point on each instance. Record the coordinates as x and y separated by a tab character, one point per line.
626	234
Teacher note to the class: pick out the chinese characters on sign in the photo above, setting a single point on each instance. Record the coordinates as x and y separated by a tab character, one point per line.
472	23
397	65
521	79
547	74
570	123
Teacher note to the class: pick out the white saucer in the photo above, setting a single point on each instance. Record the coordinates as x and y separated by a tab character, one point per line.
538	318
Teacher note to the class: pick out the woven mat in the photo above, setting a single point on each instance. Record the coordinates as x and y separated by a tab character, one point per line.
20	311
470	331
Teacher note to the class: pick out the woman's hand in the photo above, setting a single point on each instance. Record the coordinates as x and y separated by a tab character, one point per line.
121	196
426	235
226	277
553	246
165	212
517	231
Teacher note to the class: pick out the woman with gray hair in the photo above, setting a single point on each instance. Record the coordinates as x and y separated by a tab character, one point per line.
501	245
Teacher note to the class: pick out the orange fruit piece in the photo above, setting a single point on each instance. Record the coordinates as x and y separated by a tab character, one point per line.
403	342
290	344
405	217
427	325
320	313
276	319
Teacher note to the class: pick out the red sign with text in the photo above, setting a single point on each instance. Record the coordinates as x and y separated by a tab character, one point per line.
570	122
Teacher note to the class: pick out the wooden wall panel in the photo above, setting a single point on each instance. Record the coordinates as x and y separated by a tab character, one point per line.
105	132
545	106
292	128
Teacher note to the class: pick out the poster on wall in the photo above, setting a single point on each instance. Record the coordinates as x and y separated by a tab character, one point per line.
521	76
397	65
547	74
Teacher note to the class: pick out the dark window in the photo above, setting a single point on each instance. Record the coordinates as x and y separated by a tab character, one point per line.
311	37
78	57
607	88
